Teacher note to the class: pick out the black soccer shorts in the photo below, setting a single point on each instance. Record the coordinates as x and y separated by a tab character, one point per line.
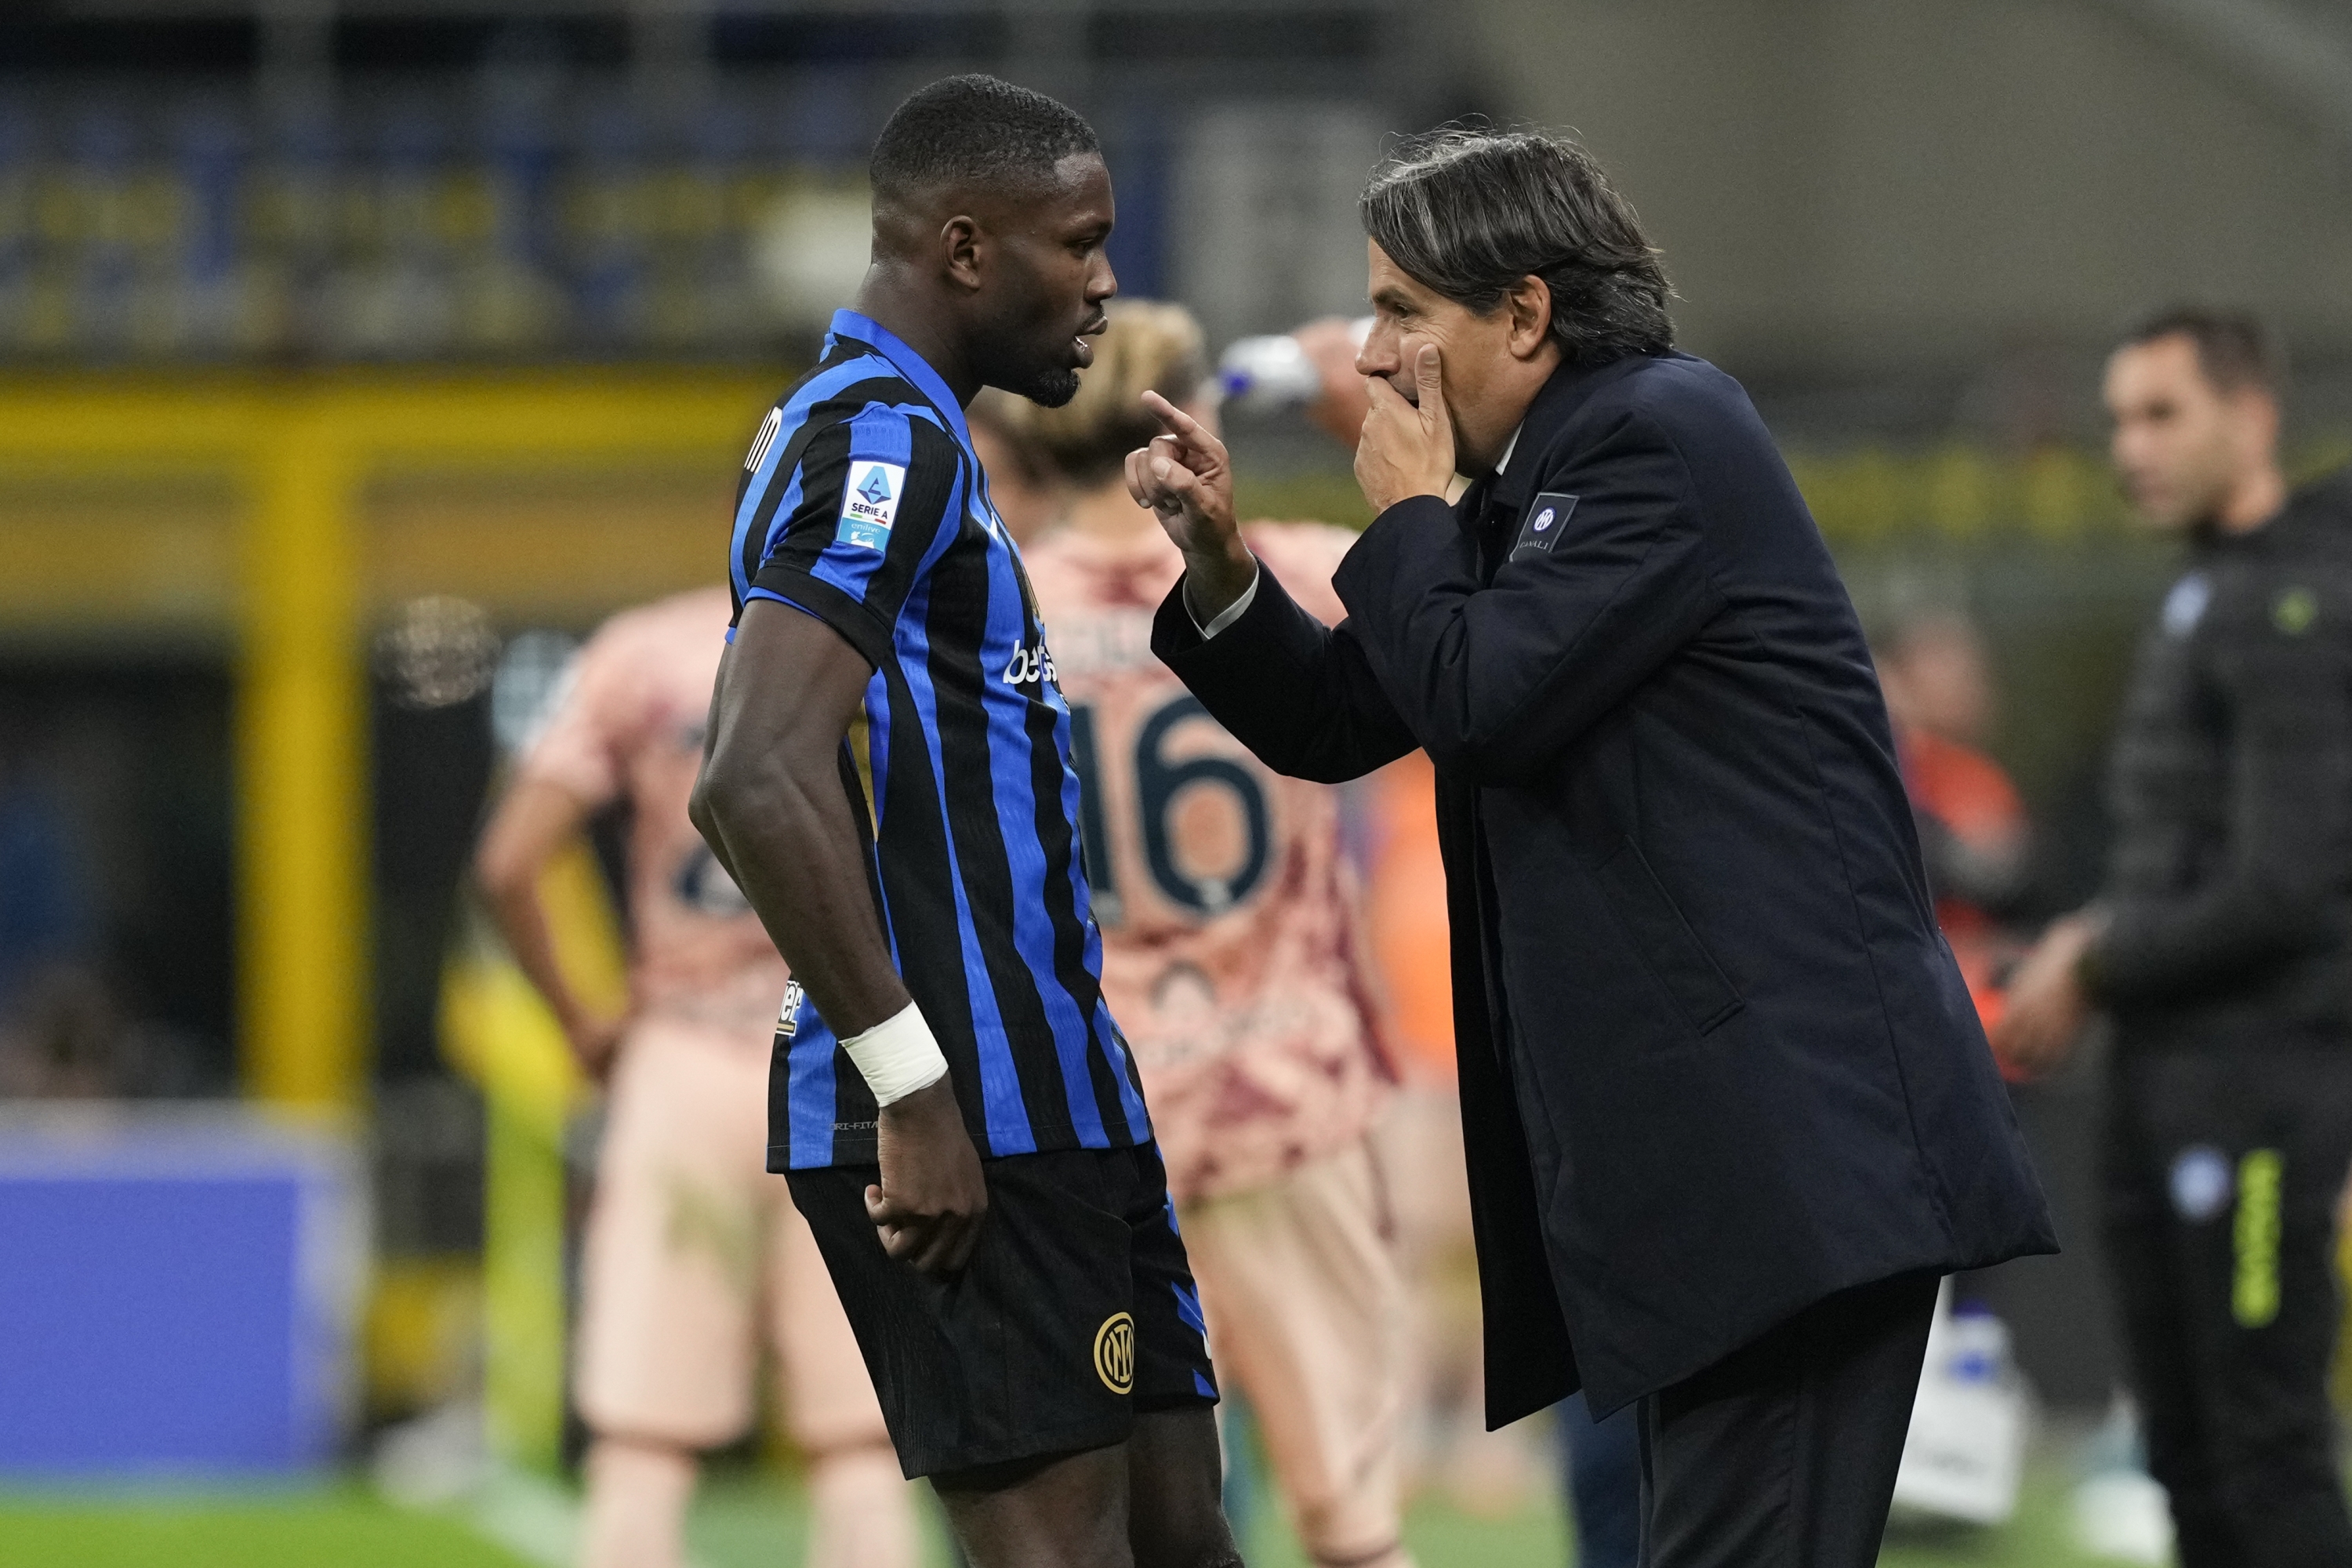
1077	1312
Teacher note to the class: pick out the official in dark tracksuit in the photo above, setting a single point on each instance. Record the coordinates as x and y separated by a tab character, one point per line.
1728	1112
2220	949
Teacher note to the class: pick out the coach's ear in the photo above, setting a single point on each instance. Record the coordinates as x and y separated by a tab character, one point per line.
959	244
1529	302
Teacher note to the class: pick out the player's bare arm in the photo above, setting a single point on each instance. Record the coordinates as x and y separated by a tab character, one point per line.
770	803
535	820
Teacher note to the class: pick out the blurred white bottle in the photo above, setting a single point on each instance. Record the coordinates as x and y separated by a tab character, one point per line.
1976	1350
1965	1456
1267	374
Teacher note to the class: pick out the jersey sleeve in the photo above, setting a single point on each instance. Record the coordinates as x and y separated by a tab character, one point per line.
870	505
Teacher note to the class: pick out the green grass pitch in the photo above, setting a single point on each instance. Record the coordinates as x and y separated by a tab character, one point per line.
750	1522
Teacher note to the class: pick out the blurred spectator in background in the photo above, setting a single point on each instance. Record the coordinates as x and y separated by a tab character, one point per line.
1233	958
2221	948
691	1243
1332	345
1972	826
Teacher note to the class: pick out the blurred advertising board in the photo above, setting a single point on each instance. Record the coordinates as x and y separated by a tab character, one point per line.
177	1288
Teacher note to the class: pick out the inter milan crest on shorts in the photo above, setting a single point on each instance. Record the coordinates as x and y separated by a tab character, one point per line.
788	1016
1548	517
1115	1352
870	504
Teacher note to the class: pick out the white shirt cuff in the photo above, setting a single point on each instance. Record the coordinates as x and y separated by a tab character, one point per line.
1229	614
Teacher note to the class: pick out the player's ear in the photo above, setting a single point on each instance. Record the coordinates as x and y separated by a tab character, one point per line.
961	245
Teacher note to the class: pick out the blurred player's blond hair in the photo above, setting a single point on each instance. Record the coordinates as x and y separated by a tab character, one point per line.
1147	347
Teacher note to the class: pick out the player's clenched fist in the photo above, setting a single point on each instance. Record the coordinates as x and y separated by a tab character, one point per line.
932	1196
1187	480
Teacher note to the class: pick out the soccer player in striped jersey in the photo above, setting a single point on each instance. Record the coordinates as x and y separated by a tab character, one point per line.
889	780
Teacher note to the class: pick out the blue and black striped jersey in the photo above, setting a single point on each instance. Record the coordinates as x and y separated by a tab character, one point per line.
863	504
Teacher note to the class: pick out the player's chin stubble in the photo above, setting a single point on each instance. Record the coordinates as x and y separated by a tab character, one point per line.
1052	387
1027	368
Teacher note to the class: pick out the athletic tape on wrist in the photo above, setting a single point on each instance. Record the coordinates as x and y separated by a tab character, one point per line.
898	1055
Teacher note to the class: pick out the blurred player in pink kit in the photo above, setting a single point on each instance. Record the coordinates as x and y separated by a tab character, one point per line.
1233	960
694	1254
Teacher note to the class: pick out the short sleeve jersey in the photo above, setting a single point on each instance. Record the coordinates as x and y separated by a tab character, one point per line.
628	726
1234	951
864	505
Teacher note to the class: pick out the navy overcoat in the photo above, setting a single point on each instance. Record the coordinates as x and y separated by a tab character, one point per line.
1716	1059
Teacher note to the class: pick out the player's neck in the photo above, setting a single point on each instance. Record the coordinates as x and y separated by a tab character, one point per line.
923	324
1111	515
2257	497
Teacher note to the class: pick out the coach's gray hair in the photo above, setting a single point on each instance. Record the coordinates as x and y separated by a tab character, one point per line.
1471	212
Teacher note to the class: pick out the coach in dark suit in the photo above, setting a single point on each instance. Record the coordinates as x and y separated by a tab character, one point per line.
1729	1110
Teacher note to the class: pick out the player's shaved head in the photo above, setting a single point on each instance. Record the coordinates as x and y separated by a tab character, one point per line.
992	207
970	141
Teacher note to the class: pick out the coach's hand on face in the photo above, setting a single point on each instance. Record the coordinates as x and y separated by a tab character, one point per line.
1187	480
1407	447
932	1196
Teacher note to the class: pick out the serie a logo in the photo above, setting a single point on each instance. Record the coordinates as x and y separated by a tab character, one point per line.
1115	1352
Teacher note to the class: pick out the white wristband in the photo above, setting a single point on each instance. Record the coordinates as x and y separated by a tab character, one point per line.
898	1055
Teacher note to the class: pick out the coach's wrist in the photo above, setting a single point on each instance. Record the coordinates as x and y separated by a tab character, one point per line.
1214	581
